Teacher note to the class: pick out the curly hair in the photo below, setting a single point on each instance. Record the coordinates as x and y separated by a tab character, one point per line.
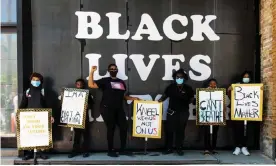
80	80
38	75
180	71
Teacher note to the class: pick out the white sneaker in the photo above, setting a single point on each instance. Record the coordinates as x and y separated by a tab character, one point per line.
237	151
245	151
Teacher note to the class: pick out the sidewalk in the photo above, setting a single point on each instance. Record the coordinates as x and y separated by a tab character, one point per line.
190	157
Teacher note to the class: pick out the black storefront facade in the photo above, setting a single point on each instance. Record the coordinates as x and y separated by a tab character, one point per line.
47	44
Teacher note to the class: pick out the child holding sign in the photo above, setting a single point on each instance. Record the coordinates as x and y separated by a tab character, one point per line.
82	132
238	126
208	146
34	98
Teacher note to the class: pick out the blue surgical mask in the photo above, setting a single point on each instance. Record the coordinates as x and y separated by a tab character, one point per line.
246	80
179	80
35	83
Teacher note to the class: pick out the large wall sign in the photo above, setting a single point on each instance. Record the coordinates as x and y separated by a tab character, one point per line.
200	27
74	105
210	106
147	119
34	129
247	102
148	43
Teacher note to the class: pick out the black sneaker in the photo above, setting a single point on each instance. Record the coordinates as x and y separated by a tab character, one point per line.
44	157
112	154
168	151
85	155
71	155
214	152
180	152
27	157
125	153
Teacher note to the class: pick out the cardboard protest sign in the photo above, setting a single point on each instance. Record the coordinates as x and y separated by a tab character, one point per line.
247	102
210	106
147	119
34	129
74	105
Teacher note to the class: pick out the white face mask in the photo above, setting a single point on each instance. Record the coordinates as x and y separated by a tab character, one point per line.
246	80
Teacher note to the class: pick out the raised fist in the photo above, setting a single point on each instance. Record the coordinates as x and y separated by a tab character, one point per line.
94	68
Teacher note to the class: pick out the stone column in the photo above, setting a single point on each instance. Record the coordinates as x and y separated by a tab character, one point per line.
268	75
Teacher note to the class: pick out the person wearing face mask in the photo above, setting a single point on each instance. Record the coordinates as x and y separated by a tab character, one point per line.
111	106
34	98
80	84
181	95
209	148
238	126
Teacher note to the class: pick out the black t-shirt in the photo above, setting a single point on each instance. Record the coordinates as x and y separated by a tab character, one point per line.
113	91
180	98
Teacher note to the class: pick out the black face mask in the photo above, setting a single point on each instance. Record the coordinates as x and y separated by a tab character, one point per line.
113	73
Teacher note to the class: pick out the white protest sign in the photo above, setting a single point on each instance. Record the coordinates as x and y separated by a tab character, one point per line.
147	119
247	102
33	129
211	106
74	105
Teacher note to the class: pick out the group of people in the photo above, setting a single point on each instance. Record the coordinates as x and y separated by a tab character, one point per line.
111	108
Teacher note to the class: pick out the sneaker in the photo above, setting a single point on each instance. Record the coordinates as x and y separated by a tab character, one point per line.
27	157
71	155
112	154
180	152
245	151
168	151
237	151
43	157
206	152
214	152
85	155
125	153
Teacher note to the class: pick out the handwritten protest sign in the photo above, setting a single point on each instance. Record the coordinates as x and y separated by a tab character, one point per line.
147	119
247	102
210	106
74	105
34	129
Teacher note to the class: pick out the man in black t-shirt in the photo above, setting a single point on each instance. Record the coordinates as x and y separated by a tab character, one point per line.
111	107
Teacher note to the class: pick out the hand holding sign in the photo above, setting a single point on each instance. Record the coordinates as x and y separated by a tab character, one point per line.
52	120
136	98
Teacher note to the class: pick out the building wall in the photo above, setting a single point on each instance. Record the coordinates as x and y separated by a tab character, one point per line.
61	58
268	74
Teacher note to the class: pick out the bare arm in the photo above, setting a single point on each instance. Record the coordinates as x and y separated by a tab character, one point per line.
163	98
229	90
91	82
131	98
